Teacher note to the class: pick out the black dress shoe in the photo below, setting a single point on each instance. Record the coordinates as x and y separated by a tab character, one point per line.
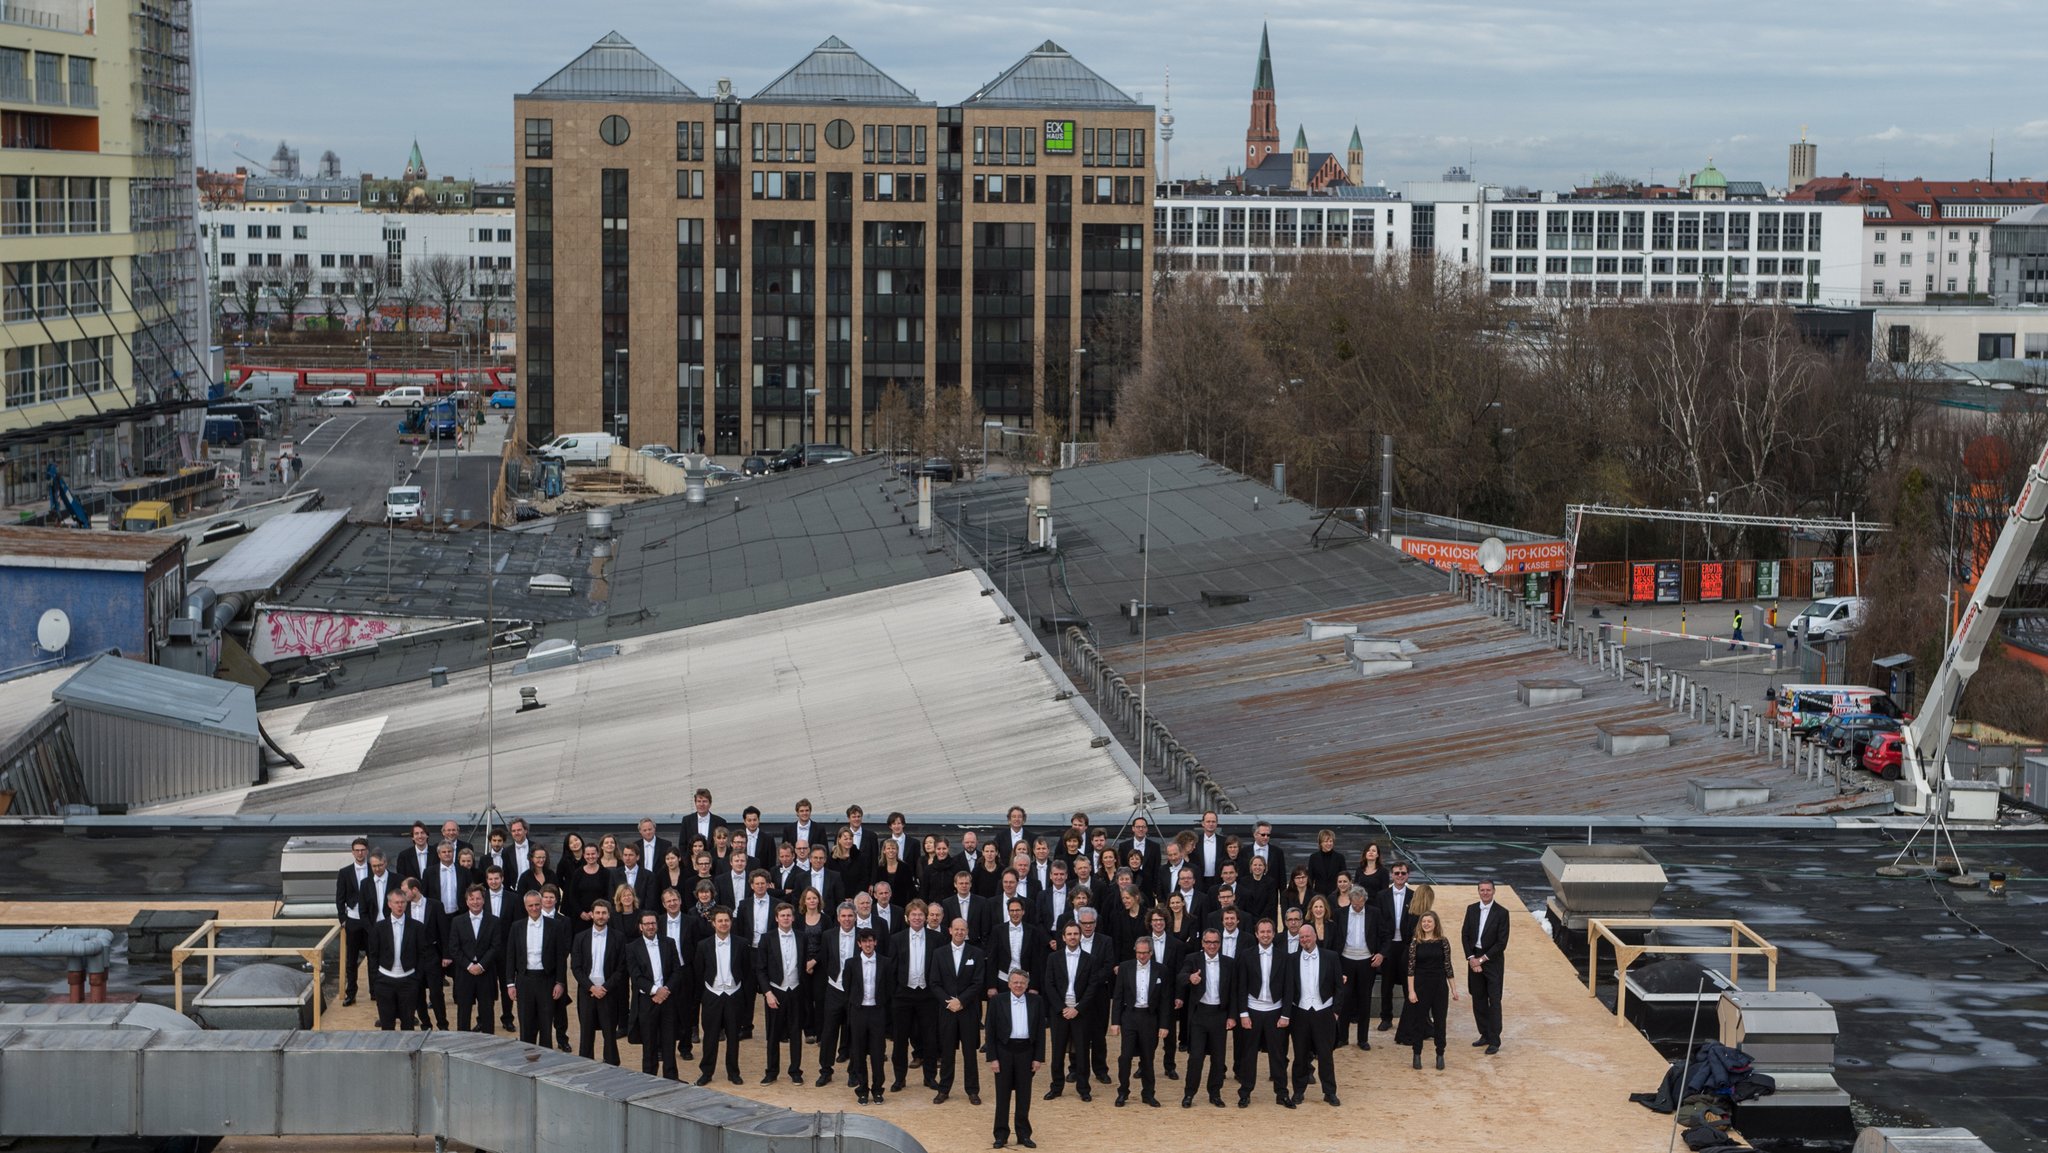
704	1080
796	1076
348	999
1439	1060
1364	1046
1479	1044
1386	1025
734	1078
1286	1102
878	1096
1027	1142
1493	1048
1244	1102
940	1099
1123	1099
1216	1099
1418	1058
1187	1101
999	1145
974	1098
1299	1096
1051	1095
1331	1099
823	1080
1172	1074
769	1079
897	1087
1083	1094
1149	1099
861	1096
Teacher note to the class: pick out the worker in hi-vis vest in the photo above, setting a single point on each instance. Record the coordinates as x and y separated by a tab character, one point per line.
1737	638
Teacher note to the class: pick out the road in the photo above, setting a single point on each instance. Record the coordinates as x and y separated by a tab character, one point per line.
353	454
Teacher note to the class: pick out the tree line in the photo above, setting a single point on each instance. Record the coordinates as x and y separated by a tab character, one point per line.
265	297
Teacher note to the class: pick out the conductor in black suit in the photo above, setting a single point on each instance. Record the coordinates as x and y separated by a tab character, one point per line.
476	954
1014	1044
1312	1013
397	950
655	971
780	962
867	981
1142	1008
956	973
536	960
1393	926
1485	937
726	973
599	964
1208	989
1069	978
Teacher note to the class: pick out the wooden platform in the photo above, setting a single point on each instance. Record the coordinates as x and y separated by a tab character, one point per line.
1562	1077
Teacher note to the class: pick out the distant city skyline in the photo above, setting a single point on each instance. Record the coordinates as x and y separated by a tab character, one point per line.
1547	98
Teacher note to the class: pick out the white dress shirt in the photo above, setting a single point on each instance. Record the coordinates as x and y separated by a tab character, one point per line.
1262	998
476	926
597	943
352	912
522	866
1144	986
653	946
1020	1019
534	935
1209	855
915	942
760	917
1485	907
1354	936
448	889
846	949
723	982
1017	956
1073	974
1311	997
1212	979
791	971
494	900
1400	902
397	970
867	979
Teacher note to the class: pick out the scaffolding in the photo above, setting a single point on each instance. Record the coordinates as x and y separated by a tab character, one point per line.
175	317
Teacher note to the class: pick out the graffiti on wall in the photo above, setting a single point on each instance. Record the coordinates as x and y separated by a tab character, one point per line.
289	634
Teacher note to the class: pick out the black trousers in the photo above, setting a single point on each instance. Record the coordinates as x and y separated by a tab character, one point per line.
1315	1039
1140	1042
1433	997
599	1015
785	1031
353	943
475	993
910	1032
721	1022
535	995
1069	1044
1354	1000
833	1036
507	1001
561	1020
1207	1039
1265	1036
868	1028
1485	987
959	1033
1393	972
1095	1035
1013	1084
397	1000
658	1036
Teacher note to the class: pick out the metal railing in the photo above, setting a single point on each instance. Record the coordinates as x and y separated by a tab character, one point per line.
34	17
313	954
1600	929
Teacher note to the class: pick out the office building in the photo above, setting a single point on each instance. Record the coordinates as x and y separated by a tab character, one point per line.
766	268
1801	166
103	318
1925	241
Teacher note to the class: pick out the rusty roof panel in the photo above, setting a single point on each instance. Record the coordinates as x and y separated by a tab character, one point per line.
70	547
1284	725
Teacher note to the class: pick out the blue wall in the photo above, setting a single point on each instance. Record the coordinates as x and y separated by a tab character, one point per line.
106	611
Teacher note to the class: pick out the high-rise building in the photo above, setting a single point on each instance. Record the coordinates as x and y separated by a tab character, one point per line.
1801	166
766	269
103	319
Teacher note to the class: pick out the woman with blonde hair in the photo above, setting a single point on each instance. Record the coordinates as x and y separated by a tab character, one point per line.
1430	990
626	906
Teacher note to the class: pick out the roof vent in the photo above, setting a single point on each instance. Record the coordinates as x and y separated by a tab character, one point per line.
549	585
552	654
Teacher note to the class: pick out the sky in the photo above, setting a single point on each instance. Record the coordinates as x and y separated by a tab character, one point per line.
1543	95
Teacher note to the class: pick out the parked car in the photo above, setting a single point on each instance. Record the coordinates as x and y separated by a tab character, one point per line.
1845	734
1830	617
466	397
504	398
336	398
826	454
720	474
402	502
936	467
657	451
579	448
755	466
404	396
1884	755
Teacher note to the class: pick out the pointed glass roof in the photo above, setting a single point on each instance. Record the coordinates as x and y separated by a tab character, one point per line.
612	69
834	72
1049	78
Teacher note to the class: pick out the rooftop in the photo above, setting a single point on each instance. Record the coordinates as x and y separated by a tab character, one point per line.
32	547
923	692
612	69
1047	77
834	72
113	684
277	547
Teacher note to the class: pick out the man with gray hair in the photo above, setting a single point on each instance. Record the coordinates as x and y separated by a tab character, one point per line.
835	948
1095	1010
1349	936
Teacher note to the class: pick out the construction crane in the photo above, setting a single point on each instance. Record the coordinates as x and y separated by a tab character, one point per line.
62	503
1924	759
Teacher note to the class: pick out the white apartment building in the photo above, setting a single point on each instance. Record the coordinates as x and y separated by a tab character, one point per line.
1533	250
340	249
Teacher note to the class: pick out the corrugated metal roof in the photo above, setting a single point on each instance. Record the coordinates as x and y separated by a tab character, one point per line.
834	72
613	69
1049	78
919	694
35	547
267	556
1284	725
112	684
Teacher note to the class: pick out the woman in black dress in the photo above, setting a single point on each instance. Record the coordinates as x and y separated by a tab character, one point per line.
1323	865
1430	990
584	887
810	926
572	852
539	874
673	874
1370	872
895	870
1256	893
988	872
1300	887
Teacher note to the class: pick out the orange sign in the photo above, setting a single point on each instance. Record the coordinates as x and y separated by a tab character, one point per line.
1710	582
1523	556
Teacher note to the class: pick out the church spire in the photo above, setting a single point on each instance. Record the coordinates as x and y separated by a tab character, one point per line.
1262	134
415	165
1264	80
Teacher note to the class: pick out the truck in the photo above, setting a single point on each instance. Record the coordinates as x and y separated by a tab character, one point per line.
579	448
145	515
268	386
438	420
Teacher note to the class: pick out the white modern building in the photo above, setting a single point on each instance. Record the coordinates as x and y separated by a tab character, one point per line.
342	250
1926	241
1540	249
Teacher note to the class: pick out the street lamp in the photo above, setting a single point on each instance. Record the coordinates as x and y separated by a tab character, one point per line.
618	417
1074	399
985	426
810	413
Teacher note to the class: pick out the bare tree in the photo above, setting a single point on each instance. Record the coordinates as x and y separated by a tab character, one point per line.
291	284
371	292
896	420
444	278
491	284
407	294
250	284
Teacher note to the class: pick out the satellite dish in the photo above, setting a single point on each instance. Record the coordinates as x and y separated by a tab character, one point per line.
53	632
1493	555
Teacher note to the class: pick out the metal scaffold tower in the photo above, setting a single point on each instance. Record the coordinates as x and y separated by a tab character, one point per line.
163	204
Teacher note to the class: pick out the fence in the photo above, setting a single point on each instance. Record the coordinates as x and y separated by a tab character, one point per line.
1801	578
1117	700
1732	719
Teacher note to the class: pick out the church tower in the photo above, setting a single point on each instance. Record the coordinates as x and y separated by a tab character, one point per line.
1299	180
1354	160
1262	136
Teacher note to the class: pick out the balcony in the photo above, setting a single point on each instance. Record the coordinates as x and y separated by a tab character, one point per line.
54	17
85	96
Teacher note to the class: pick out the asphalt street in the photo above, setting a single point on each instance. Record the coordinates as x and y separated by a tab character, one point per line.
352	455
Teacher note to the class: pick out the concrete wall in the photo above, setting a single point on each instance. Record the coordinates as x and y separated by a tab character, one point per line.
106	611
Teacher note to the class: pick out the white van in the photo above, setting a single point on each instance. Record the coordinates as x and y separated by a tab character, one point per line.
268	386
1830	617
404	396
579	448
402	502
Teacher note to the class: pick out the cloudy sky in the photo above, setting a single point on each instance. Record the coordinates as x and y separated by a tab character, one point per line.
1542	94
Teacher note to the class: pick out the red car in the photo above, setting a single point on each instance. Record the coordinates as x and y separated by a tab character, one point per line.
1881	757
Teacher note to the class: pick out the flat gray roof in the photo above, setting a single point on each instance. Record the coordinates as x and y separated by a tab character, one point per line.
273	552
112	684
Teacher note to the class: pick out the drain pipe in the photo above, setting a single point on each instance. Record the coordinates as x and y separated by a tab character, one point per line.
86	952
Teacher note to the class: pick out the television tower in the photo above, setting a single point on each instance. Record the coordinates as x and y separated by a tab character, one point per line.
1166	130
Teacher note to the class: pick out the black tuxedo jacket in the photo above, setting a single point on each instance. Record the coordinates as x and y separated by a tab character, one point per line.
1227	991
412	954
1001	961
829	957
995	1035
661	847
1007	841
762	855
431	885
981	913
641	974
406	861
768	960
742	965
852	972
1286	970
1276	861
1204	871
819	836
832	892
966	981
1340	927
371	903
743	916
467	947
689	829
515	862
787	885
1056	976
348	894
614	958
645	895
1169	957
1040	912
1158	990
900	945
1155	856
1383	920
935	878
1492	944
731	891
554	948
1330	977
693	929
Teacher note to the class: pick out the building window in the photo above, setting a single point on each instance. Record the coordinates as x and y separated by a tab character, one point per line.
689	184
839	134
690	140
540	141
614	130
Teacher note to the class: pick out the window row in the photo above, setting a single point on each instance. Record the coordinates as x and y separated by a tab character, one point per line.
995	145
772	142
1113	147
53	205
892	143
1114	189
54	289
781	186
40	373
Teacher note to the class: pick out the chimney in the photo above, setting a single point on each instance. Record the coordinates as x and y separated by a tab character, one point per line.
1038	507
